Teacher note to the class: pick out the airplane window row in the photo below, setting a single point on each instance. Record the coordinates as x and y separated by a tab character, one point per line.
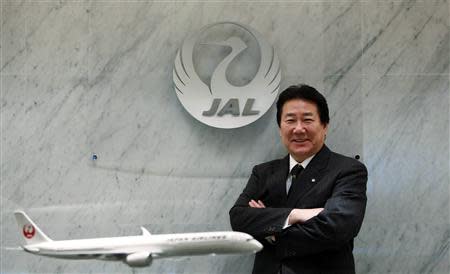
198	238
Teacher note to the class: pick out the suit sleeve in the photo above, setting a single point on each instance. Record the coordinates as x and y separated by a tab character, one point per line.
336	225
258	222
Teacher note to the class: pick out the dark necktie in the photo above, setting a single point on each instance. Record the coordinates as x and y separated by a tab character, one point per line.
295	174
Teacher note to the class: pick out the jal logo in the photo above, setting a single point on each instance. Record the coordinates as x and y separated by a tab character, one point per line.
226	75
28	231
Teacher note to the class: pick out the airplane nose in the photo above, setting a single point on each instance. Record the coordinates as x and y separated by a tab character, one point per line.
256	245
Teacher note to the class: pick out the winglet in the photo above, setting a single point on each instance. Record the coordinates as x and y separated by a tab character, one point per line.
145	231
29	231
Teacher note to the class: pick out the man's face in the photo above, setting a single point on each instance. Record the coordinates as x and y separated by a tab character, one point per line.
301	130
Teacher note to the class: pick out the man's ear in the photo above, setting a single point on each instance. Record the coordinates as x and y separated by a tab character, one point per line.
325	128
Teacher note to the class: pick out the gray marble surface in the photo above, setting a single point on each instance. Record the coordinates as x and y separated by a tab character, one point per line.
94	77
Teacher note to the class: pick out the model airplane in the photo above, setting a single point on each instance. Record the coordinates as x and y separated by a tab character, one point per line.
136	251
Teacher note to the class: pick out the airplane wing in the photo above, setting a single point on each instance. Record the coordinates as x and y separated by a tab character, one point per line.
145	232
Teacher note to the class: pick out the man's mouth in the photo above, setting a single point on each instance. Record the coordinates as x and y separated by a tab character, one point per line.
299	140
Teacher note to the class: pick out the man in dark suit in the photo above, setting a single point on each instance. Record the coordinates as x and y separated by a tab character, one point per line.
308	207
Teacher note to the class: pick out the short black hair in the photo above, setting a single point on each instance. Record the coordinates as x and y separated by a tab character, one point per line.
307	93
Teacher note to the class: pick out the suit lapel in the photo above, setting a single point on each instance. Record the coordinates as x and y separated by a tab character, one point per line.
310	177
277	180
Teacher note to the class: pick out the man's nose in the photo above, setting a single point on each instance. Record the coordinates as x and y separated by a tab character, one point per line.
299	128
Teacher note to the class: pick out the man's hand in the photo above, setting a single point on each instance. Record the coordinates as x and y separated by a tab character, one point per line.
256	204
302	215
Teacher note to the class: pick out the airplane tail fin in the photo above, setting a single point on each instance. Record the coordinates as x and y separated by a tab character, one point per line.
29	231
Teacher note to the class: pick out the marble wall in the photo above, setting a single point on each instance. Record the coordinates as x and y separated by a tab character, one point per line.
94	77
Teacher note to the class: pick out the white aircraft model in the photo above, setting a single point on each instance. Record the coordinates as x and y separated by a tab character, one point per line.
136	251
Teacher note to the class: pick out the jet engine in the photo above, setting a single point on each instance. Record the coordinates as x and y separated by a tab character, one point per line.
139	259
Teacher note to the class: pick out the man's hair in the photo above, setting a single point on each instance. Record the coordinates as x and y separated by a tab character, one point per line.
307	93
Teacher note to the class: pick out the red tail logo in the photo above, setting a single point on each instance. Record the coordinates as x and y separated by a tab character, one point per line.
28	231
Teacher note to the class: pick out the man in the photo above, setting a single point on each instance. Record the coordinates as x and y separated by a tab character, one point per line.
308	216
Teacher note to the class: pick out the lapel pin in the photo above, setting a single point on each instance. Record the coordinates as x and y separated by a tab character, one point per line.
313	180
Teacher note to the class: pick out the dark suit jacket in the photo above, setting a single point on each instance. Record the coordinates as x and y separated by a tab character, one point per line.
323	244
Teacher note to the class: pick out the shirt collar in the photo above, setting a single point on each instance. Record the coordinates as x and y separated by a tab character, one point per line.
304	164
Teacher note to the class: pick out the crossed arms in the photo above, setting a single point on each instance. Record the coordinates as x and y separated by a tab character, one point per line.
311	230
297	215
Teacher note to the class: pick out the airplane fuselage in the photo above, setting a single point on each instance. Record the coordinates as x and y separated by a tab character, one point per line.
136	251
163	245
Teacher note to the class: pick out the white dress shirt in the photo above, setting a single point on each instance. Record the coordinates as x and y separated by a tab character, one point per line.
292	164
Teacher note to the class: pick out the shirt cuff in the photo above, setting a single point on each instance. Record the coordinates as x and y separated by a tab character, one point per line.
286	223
